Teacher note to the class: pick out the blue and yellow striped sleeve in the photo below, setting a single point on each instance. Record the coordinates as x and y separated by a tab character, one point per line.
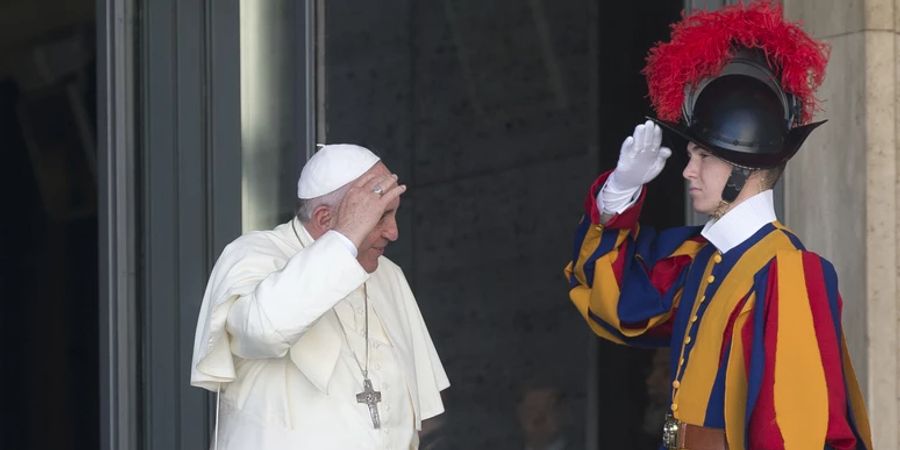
625	279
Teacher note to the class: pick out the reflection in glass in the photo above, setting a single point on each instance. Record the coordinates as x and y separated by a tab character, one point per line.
482	109
498	116
271	155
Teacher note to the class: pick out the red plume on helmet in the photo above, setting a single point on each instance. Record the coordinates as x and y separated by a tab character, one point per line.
702	43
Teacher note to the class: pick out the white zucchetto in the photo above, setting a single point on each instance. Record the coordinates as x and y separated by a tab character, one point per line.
333	166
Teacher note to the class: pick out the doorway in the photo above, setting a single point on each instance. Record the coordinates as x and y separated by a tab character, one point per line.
498	116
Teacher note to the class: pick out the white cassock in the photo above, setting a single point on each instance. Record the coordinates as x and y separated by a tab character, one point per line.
269	338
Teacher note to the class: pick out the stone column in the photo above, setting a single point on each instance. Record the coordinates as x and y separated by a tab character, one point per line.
841	189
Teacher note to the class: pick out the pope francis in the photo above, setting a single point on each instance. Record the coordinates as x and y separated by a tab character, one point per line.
310	336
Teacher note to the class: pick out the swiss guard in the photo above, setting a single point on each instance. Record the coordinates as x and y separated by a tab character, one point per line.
752	317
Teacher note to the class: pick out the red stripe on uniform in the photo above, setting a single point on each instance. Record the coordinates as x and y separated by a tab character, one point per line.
662	277
666	271
839	435
590	201
628	218
618	266
729	329
747	336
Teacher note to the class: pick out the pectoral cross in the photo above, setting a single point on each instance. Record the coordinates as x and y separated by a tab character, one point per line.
370	397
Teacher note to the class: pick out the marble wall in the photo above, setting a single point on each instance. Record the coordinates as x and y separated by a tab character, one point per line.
841	189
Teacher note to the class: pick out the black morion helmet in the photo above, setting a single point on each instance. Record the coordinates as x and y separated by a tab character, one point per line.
740	83
742	115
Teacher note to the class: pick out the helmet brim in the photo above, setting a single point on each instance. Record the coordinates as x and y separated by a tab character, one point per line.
792	143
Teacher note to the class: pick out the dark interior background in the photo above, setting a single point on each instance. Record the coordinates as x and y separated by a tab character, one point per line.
498	115
48	235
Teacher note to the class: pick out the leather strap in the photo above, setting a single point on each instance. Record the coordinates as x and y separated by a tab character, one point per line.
693	437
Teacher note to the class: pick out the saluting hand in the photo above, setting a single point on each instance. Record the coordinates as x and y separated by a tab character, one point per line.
364	204
641	158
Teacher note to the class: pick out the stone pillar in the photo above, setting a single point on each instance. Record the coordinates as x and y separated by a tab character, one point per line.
841	189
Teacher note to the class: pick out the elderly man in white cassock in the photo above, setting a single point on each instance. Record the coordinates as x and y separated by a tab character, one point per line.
310	336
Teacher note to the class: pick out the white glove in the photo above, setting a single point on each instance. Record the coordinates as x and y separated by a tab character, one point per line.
641	159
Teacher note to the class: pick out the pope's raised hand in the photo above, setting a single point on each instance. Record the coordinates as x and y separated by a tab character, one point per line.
364	204
641	158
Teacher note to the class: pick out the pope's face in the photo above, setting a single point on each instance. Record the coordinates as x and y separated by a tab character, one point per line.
384	232
706	176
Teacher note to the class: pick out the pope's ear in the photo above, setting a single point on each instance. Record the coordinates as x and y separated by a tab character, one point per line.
322	218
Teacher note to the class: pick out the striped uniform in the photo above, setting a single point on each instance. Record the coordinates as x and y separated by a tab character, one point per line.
755	333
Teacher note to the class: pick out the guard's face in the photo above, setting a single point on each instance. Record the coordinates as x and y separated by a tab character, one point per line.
384	232
706	176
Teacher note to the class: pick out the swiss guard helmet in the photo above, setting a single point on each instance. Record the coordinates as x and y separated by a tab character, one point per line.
740	83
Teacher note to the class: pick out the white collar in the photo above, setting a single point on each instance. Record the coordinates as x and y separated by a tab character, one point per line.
738	224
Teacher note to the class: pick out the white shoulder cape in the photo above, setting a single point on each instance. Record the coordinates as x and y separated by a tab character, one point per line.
251	258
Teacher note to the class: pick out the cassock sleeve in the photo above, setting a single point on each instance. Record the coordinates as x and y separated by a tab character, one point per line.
625	279
257	306
800	389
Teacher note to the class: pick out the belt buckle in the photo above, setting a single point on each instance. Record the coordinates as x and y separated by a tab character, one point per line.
670	432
